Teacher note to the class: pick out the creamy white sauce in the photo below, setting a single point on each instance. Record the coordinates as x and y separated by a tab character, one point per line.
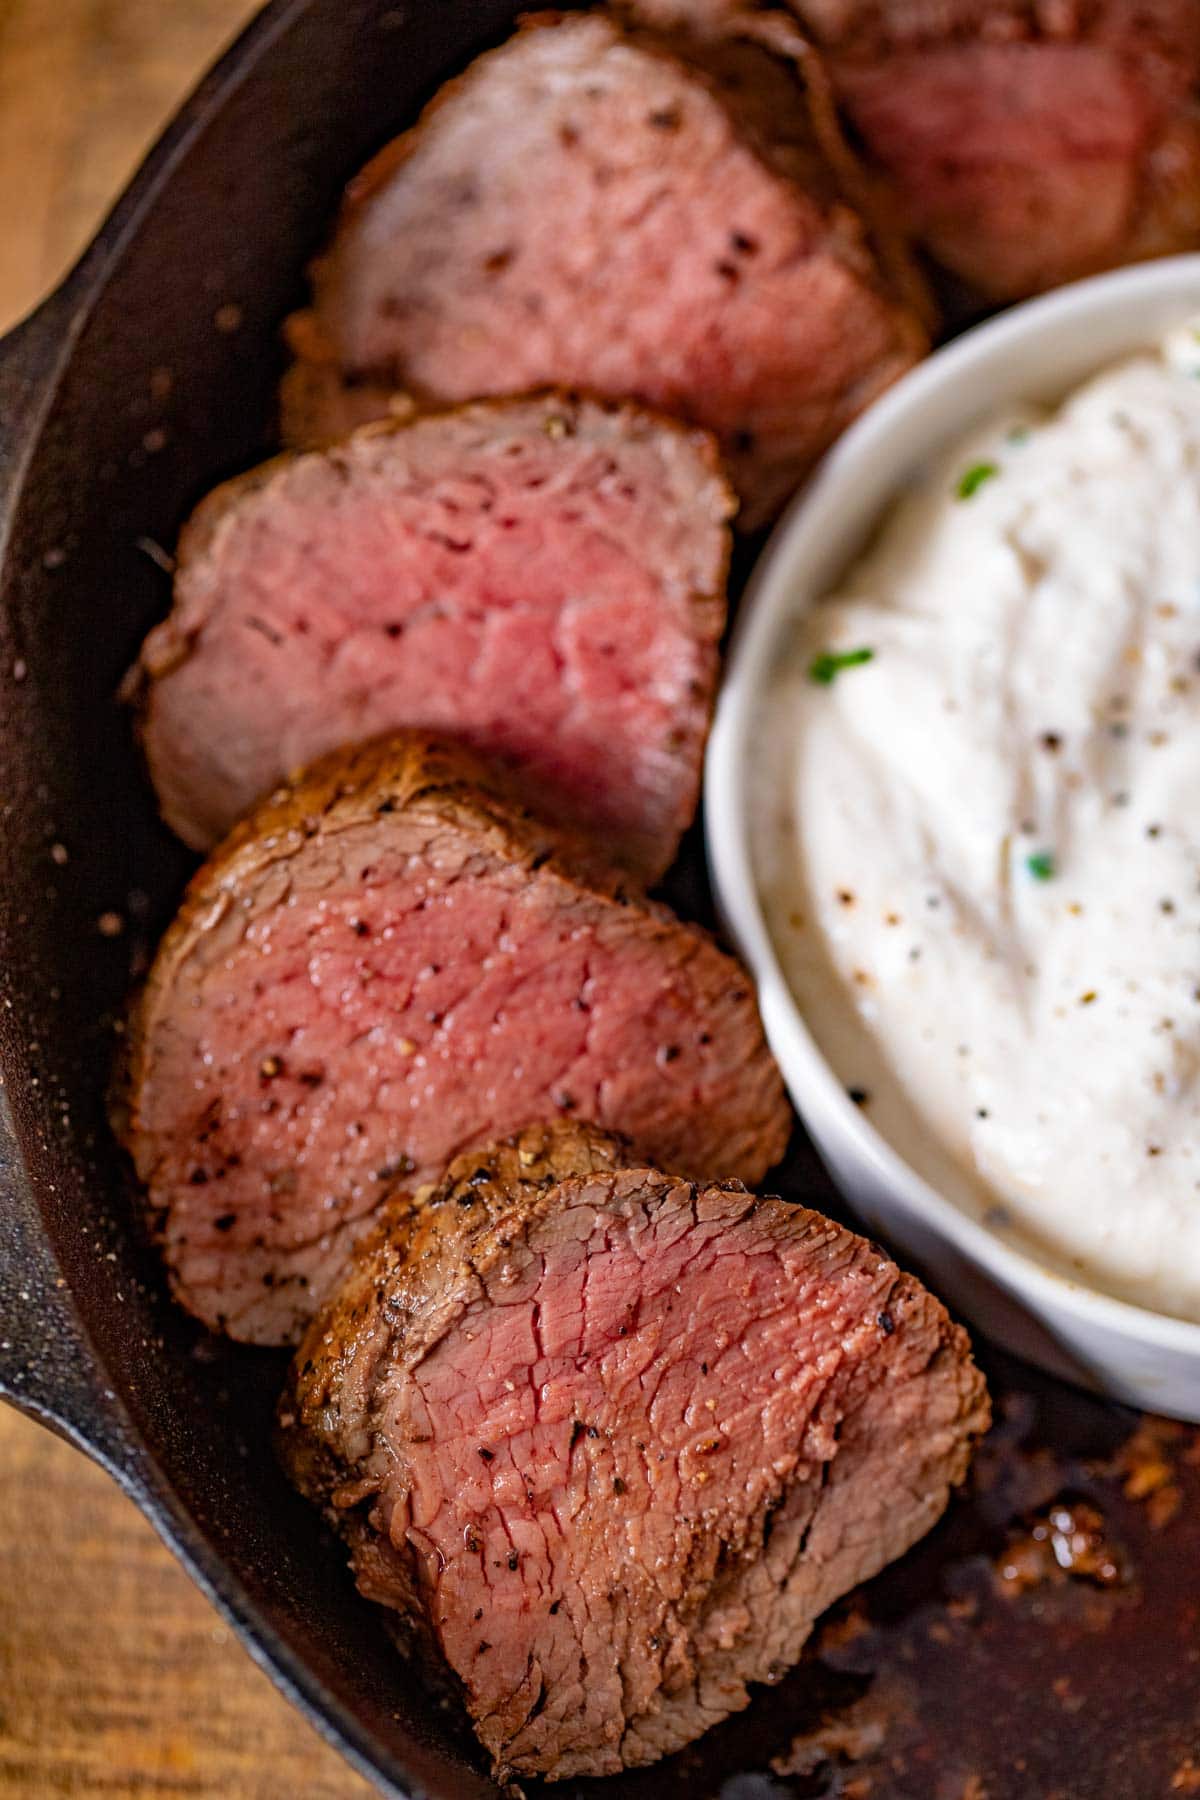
980	849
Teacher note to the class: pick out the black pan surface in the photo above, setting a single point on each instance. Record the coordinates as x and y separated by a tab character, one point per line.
147	378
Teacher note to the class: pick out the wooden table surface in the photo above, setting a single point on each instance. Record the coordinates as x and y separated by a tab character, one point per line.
116	1676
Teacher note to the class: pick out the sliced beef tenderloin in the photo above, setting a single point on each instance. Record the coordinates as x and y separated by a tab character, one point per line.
608	1442
621	211
1027	141
387	962
542	578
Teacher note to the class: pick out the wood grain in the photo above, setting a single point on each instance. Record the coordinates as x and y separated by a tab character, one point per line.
85	87
116	1677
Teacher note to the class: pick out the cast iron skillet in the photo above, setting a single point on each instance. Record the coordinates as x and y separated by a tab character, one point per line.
145	379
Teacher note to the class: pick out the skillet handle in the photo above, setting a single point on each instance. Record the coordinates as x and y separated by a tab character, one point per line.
30	356
48	1367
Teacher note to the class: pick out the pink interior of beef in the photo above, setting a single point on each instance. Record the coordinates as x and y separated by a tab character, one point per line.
637	1386
623	1471
686	282
1020	162
582	210
376	1012
530	597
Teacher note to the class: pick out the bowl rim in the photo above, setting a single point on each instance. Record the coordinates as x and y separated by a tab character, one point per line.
769	593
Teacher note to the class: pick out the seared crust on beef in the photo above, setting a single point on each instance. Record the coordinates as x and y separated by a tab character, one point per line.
388	960
602	1572
356	786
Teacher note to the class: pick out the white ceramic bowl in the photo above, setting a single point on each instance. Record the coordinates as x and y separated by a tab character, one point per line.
1034	352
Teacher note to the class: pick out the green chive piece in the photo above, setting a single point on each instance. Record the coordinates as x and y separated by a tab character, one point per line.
1020	434
825	667
1041	865
972	479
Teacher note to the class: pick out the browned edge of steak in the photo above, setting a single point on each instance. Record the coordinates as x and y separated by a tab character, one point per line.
420	1239
357	787
407	1295
339	790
